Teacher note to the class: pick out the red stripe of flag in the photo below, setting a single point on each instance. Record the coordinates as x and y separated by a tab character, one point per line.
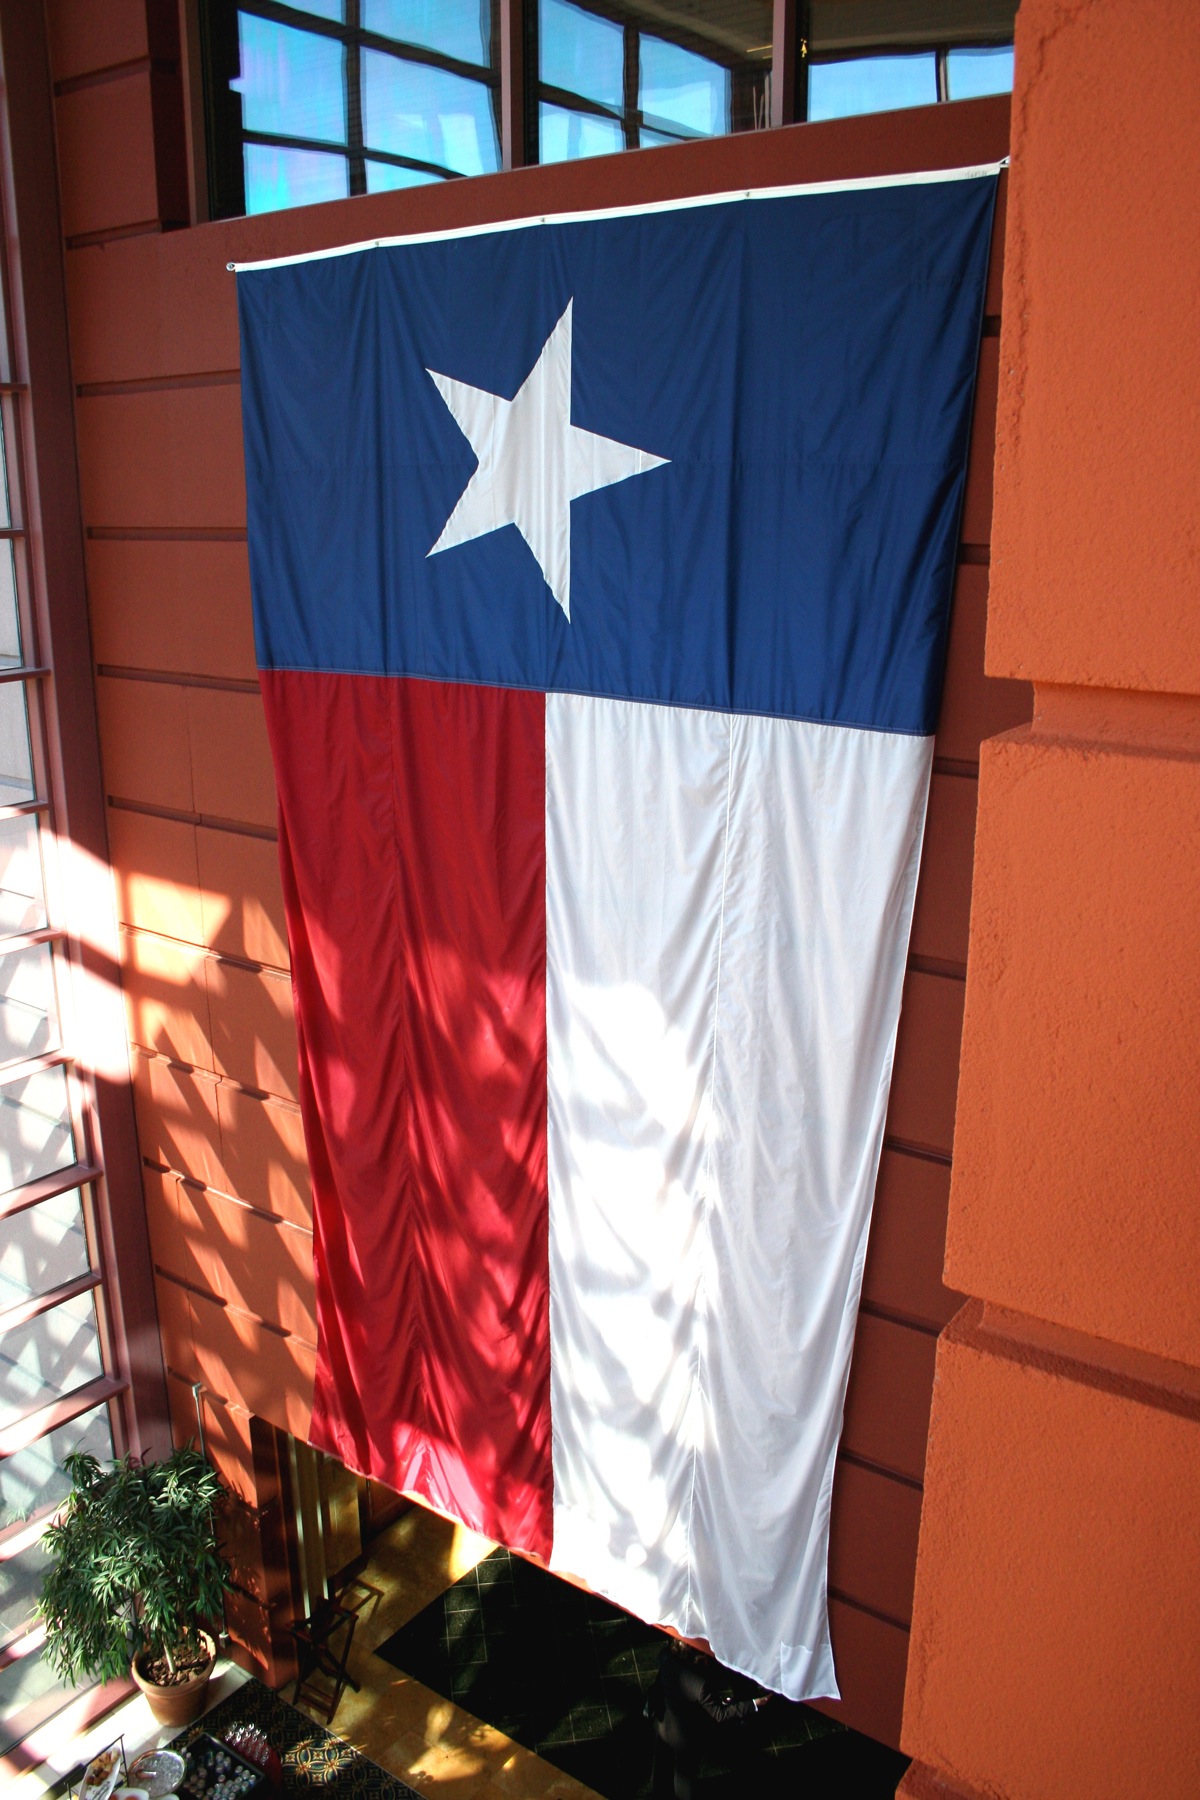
412	843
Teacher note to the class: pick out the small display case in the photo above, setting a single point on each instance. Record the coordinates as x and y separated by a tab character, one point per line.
215	1772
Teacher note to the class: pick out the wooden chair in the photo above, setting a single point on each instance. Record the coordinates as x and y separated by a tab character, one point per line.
323	1645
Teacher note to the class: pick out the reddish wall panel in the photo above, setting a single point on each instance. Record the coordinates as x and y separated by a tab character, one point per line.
171	606
976	527
253	1027
907	1245
144	747
258	1265
1097	560
156	872
166	998
942	915
177	1119
1056	1580
887	1404
873	1655
85	36
106	155
231	758
925	1075
163	457
974	706
873	1539
1072	1059
242	896
264	1156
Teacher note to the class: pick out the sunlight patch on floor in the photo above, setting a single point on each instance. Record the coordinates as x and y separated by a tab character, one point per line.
416	1734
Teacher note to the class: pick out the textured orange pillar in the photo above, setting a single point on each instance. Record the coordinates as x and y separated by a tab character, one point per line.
1055	1650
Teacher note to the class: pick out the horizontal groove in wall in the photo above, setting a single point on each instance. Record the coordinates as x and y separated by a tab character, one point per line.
239	827
956	765
209	1394
137	65
979	555
936	965
892	1317
229	1081
873	1612
202	1187
248	963
158	384
241	1312
89	240
1139	1376
227	684
874	1468
926	1152
167	534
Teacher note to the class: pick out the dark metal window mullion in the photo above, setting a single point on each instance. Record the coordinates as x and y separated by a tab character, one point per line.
631	117
354	111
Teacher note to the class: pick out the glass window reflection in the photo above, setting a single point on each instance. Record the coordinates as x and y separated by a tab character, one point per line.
278	177
456	28
28	1009
868	84
970	74
568	135
10	623
680	88
291	81
16	762
581	53
42	1247
32	1480
48	1356
22	892
660	74
428	114
36	1138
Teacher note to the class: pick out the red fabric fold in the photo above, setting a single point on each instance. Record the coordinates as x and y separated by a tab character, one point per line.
412	844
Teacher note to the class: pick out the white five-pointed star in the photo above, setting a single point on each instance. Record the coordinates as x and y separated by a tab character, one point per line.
532	461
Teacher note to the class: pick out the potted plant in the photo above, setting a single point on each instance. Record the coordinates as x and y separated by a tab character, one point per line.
135	1576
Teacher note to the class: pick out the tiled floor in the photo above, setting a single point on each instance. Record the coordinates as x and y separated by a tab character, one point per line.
426	1740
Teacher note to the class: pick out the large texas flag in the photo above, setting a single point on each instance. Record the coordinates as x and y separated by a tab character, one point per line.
601	569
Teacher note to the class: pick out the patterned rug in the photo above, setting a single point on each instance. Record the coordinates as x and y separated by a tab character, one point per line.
567	1675
314	1760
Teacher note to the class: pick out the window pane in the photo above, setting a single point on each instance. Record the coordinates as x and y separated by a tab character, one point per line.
460	28
10	628
16	767
680	88
383	178
291	82
276	177
970	73
323	9
566	135
5	511
414	110
20	1586
33	1479
42	1247
868	84
28	1012
48	1356
22	893
583	54
28	1679
35	1127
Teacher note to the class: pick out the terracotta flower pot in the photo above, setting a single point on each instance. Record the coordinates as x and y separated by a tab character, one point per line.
184	1700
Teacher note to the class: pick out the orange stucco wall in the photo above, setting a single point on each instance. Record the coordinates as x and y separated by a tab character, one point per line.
1053	1649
